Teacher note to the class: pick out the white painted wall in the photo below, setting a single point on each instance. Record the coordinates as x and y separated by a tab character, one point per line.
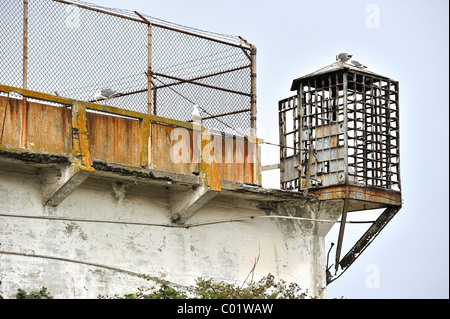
32	247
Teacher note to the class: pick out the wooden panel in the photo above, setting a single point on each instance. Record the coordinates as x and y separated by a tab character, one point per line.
12	122
49	128
114	139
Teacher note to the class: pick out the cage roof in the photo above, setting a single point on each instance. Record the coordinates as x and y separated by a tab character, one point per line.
336	66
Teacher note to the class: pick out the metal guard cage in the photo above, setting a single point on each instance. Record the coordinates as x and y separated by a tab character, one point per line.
341	128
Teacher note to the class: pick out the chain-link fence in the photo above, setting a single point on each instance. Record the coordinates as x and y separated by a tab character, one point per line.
73	49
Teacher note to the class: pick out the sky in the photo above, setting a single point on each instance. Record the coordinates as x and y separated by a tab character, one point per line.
404	40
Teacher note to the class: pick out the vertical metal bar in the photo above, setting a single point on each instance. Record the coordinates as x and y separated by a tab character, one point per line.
253	92
25	44
345	125
398	133
149	71
23	135
341	233
365	127
281	130
387	94
300	134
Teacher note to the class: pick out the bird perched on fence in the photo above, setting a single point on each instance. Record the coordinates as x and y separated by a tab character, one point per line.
196	117
358	65
105	94
343	57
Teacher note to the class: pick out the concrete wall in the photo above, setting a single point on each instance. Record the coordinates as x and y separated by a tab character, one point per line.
105	233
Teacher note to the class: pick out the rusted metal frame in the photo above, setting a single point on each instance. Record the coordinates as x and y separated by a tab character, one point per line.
253	111
368	237
99	10
201	36
200	84
203	77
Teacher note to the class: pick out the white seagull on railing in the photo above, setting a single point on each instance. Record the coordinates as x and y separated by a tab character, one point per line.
196	117
105	94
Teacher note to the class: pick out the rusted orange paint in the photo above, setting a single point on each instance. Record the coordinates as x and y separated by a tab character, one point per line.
114	139
11	122
49	128
139	141
366	194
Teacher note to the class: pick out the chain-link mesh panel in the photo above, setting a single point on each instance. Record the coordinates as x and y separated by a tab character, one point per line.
74	50
11	43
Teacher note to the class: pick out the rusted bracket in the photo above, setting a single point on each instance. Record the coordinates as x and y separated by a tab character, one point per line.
366	239
369	236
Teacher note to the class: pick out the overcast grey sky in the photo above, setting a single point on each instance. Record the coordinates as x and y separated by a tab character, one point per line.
404	40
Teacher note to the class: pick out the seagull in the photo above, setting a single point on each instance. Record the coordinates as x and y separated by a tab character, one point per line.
105	94
358	65
343	57
196	117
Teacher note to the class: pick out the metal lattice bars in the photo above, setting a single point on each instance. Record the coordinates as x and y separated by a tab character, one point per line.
345	130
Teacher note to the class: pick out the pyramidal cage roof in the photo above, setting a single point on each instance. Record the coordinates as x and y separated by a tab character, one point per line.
335	67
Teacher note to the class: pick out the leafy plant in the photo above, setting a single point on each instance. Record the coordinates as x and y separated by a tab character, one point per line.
41	294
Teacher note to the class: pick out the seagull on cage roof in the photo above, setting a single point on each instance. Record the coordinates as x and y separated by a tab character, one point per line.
105	94
343	57
358	65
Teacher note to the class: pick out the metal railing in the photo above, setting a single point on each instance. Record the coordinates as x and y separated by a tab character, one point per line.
72	49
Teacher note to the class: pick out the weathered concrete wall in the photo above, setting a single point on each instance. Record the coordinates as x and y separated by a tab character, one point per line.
101	236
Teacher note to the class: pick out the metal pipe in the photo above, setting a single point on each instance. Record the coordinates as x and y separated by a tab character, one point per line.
23	135
253	92
201	84
200	36
149	62
204	76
